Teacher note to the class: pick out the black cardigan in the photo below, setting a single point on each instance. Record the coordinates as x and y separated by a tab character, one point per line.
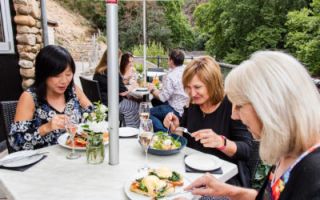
221	123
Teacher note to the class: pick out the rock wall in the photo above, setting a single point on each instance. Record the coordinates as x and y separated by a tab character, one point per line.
29	37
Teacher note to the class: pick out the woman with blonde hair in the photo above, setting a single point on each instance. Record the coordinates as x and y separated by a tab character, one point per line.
208	117
274	96
128	107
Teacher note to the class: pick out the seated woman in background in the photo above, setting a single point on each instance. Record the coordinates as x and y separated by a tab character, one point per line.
127	71
128	107
273	95
42	108
208	118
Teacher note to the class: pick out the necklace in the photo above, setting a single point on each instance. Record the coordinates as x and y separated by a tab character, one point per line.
209	110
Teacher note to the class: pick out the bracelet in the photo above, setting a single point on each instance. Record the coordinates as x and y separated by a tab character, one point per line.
224	143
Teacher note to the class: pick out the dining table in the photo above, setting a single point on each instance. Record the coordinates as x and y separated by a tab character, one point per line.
56	177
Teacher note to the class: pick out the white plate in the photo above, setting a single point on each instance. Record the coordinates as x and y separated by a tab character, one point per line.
24	161
142	89
135	196
203	162
62	142
128	131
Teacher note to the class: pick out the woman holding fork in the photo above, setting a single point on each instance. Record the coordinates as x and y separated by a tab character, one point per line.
208	118
42	109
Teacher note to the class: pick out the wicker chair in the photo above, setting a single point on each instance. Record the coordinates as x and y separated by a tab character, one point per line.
7	112
91	90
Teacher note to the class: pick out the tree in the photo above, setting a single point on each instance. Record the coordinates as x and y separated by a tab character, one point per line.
181	31
238	28
303	38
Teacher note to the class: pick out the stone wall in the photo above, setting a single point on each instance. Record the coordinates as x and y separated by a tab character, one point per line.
29	37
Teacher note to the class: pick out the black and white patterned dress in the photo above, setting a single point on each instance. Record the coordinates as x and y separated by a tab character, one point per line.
24	135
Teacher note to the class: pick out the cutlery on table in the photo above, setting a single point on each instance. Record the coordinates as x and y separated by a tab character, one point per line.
17	158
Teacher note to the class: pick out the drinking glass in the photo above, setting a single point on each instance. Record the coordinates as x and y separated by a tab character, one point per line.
71	125
144	111
145	137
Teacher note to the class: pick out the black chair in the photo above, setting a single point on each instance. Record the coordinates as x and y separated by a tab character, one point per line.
7	112
91	90
254	160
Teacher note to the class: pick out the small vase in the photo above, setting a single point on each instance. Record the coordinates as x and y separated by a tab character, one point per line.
95	148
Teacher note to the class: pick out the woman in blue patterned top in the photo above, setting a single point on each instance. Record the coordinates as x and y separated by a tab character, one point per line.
42	108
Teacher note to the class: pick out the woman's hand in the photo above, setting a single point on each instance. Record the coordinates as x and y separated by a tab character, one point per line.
208	138
171	119
57	122
208	185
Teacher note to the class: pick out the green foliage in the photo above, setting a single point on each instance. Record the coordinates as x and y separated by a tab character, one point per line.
235	29
181	32
261	173
303	38
153	49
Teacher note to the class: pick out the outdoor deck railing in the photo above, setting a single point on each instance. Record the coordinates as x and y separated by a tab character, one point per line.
225	67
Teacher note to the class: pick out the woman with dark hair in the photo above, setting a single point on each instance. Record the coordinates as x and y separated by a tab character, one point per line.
128	107
126	67
42	108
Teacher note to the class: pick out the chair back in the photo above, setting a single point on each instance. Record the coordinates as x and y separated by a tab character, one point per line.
7	113
91	89
254	160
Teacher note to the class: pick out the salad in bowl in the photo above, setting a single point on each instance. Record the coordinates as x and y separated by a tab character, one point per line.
166	144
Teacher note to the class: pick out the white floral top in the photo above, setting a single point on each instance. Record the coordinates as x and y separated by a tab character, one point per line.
24	135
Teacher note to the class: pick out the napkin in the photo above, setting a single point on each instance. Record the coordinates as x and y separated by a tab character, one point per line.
191	170
23	168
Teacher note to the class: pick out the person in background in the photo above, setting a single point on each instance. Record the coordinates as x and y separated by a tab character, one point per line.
43	108
128	107
172	94
127	68
208	118
273	95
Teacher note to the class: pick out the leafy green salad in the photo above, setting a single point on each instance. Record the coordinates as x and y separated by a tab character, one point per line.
163	141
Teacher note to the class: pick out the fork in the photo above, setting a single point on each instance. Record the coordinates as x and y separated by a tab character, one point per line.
167	133
184	130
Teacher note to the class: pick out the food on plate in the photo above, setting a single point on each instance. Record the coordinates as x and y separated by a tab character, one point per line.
80	140
165	173
158	183
163	141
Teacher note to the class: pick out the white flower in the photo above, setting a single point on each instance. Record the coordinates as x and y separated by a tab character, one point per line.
98	126
103	108
85	115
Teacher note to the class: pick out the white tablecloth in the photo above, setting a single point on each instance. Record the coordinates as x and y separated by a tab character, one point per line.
56	177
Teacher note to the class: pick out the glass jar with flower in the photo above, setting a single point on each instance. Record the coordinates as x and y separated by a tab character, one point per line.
96	129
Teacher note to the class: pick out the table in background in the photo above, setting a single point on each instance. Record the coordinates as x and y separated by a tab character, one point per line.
56	177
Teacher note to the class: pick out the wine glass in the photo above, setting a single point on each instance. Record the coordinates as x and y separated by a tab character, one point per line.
144	111
145	137
71	125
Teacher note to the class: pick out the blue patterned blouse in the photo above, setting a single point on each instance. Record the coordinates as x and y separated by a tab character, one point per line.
24	135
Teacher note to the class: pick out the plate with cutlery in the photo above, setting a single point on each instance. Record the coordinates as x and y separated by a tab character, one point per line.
21	158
